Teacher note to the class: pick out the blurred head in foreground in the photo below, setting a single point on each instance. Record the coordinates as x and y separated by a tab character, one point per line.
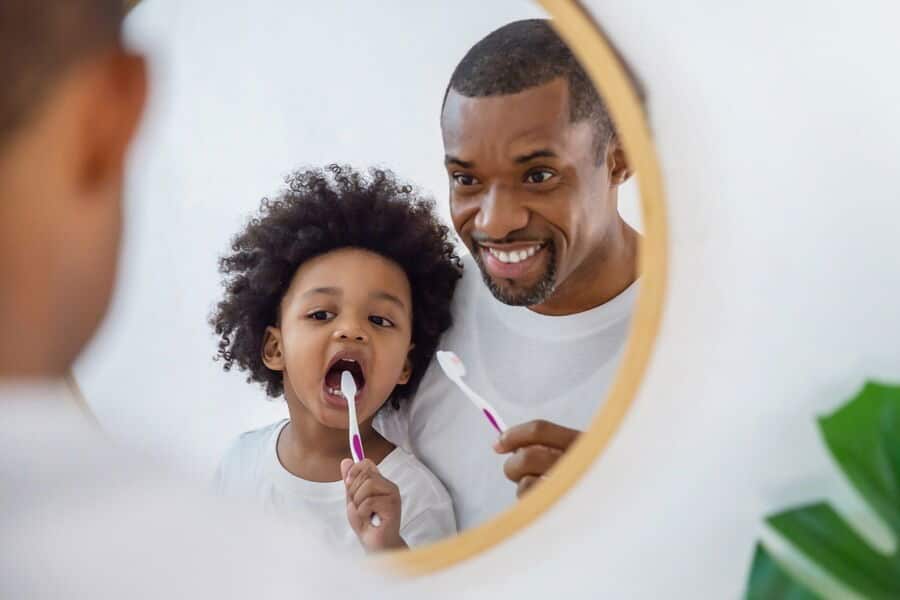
71	101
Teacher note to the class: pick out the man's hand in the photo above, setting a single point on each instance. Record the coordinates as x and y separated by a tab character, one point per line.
369	493
536	446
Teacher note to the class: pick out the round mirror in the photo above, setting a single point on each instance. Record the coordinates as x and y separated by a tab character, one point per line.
555	296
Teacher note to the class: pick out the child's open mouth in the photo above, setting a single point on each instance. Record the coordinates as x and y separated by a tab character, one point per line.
332	384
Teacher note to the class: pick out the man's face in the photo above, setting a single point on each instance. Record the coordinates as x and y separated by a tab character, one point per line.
529	195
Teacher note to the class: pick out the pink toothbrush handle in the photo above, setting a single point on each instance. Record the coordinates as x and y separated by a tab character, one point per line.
358	453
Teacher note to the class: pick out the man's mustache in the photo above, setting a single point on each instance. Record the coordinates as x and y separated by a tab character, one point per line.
513	238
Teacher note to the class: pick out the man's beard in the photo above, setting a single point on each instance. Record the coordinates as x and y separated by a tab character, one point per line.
536	294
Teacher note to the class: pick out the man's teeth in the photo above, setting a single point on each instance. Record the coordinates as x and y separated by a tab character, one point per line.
516	256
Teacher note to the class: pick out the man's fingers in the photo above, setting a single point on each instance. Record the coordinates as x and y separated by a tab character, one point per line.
526	484
540	432
533	460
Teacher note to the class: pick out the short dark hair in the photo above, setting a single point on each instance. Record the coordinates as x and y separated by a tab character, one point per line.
321	211
40	40
528	53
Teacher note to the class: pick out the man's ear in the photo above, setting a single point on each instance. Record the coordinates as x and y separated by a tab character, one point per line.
617	163
272	350
117	95
407	368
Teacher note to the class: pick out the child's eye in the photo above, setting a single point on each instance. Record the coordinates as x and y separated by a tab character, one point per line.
381	321
464	179
321	315
540	176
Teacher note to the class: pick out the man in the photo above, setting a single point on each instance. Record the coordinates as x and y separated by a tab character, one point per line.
534	167
81	518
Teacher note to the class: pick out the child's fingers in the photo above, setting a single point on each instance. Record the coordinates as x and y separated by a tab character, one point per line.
383	506
363	466
357	483
356	522
368	488
360	474
346	465
375	487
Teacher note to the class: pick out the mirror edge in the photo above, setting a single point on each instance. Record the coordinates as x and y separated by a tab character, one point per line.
584	36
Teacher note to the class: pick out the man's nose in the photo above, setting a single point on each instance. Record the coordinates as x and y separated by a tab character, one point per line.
500	214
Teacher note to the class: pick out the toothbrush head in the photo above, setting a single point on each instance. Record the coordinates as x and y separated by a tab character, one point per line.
451	364
348	387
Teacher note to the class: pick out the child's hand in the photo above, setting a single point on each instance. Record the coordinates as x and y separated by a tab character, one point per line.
368	493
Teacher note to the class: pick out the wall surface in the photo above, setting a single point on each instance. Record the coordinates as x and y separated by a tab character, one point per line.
778	134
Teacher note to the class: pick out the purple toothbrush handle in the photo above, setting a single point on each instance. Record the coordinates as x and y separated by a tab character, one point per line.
358	449
493	421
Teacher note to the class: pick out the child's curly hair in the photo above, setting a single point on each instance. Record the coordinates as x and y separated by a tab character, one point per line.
320	211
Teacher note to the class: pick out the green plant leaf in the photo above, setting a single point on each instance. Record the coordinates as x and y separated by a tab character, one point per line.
826	539
768	581
863	436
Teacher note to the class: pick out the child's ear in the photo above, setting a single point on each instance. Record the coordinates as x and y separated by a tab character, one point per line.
407	368
272	354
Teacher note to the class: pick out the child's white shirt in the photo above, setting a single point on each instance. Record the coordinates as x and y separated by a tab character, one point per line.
252	471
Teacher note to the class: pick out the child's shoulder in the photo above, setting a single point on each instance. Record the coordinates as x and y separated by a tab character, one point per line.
257	439
412	476
250	450
428	513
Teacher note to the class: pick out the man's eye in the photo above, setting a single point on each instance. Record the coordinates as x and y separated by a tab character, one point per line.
321	315
465	179
381	321
541	176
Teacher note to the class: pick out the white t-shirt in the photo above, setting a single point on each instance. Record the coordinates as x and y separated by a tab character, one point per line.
251	470
528	366
84	518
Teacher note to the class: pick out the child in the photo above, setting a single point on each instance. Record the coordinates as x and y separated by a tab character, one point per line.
342	272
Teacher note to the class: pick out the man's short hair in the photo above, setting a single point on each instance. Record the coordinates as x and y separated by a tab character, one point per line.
526	54
40	40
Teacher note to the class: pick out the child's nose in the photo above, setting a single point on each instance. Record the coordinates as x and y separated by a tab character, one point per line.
346	334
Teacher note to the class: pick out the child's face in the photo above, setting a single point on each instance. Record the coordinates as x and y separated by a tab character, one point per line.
349	309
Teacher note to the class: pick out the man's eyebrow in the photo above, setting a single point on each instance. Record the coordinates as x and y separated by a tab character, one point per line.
450	159
542	153
390	298
330	291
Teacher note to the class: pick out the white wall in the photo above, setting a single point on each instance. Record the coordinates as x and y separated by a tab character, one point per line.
778	132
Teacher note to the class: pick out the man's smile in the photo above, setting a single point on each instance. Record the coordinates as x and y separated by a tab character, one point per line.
513	261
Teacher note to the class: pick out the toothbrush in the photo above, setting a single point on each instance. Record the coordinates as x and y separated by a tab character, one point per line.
348	389
455	369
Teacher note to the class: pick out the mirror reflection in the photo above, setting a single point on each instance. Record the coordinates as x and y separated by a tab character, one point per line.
430	215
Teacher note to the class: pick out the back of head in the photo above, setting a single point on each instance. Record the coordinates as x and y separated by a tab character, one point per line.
39	41
71	99
526	54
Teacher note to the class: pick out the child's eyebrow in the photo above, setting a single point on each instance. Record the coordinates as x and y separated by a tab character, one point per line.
329	291
390	298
